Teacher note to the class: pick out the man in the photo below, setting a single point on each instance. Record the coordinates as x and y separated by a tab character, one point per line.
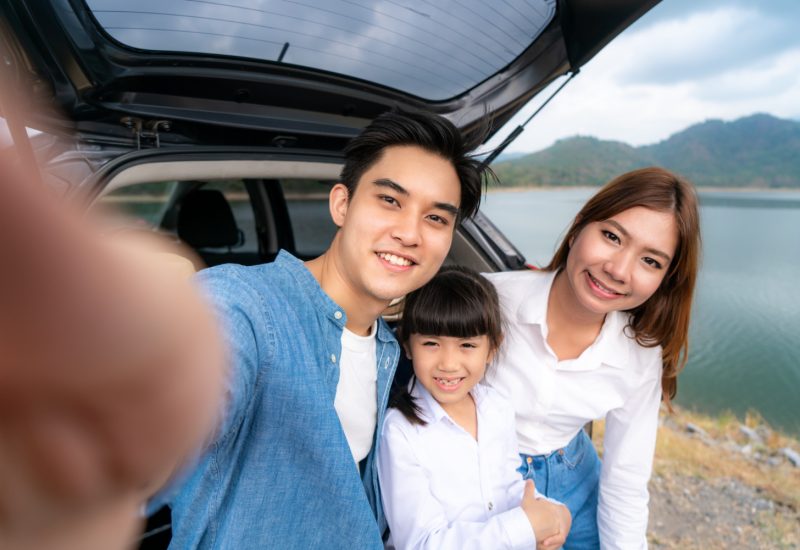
311	362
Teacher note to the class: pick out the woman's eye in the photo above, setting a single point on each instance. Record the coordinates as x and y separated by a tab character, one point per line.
610	236
652	262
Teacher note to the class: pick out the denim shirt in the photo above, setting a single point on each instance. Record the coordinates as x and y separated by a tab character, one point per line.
280	473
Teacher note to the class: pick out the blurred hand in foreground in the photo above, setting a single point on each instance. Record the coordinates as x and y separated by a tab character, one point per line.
111	372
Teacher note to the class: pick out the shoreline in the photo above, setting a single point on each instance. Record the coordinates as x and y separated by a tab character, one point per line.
703	189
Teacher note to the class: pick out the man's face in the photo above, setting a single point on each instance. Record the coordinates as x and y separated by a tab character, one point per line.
396	229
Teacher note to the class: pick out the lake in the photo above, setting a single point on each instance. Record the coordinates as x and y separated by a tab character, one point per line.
744	351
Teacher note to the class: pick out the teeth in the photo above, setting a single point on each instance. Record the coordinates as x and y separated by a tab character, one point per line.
448	382
603	287
394	260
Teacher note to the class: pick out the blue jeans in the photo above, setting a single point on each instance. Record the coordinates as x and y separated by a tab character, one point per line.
570	475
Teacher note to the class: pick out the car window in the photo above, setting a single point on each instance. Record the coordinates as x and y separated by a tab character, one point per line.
307	202
426	49
156	206
139	206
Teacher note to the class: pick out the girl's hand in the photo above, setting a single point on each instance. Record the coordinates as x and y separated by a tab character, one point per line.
565	522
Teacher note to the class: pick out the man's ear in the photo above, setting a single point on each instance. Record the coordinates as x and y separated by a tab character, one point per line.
338	201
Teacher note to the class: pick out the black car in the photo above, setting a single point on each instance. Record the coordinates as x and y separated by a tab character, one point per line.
222	123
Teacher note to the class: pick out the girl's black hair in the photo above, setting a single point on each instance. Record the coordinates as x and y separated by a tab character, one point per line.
457	302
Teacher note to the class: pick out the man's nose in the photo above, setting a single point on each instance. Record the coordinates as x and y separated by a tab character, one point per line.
407	229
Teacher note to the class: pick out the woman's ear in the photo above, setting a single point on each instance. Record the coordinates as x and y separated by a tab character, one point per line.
338	201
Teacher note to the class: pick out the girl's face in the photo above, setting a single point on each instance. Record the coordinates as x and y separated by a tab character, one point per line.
617	264
447	366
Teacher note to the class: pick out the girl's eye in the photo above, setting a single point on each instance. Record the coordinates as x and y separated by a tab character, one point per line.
429	343
610	236
652	262
469	345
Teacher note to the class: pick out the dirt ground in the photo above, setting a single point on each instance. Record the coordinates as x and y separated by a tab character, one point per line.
689	512
724	483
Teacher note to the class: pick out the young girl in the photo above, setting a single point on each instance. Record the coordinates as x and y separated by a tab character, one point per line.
448	455
601	332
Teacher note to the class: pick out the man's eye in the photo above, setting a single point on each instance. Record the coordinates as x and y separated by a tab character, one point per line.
388	199
438	219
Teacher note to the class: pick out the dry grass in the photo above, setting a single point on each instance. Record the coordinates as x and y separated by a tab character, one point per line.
680	453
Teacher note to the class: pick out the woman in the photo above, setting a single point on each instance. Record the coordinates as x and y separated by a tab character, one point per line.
601	332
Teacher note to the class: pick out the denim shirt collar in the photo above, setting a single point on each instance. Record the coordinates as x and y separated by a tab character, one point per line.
319	298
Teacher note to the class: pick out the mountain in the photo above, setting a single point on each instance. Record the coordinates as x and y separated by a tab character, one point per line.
755	151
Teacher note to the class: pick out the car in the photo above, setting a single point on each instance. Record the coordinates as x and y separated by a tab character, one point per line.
222	124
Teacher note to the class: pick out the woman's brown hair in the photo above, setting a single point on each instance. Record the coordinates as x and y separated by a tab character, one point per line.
664	318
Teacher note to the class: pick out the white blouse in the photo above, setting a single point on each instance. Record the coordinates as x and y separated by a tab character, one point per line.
615	378
442	489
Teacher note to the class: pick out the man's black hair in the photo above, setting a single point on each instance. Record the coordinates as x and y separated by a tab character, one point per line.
430	132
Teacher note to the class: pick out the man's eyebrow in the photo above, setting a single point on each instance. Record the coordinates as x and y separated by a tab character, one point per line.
653	251
447	207
386	182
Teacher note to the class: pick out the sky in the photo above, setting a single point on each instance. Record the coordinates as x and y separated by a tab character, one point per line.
683	62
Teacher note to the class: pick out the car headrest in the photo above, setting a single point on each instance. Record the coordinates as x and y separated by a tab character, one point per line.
205	220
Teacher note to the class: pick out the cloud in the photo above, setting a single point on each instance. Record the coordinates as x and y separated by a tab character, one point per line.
705	44
681	64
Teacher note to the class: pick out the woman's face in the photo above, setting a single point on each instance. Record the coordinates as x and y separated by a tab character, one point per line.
617	264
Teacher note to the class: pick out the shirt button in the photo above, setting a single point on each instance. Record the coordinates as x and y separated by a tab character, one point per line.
333	358
490	506
561	452
529	460
338	315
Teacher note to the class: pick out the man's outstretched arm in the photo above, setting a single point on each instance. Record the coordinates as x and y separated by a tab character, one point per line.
111	373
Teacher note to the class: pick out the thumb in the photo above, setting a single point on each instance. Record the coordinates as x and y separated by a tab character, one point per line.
530	489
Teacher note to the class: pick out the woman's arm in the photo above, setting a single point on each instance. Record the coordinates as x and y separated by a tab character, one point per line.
629	444
417	519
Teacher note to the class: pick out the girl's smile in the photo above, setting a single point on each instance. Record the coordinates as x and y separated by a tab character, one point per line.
448	366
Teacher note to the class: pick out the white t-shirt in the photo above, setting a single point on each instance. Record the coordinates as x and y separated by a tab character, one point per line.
615	378
444	490
356	400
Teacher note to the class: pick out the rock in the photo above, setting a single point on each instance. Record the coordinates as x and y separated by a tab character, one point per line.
746	450
695	429
751	434
792	455
774	461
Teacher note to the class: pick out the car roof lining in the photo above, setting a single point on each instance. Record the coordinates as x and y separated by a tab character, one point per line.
221	169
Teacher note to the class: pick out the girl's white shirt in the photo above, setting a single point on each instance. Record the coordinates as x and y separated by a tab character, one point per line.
615	379
442	489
